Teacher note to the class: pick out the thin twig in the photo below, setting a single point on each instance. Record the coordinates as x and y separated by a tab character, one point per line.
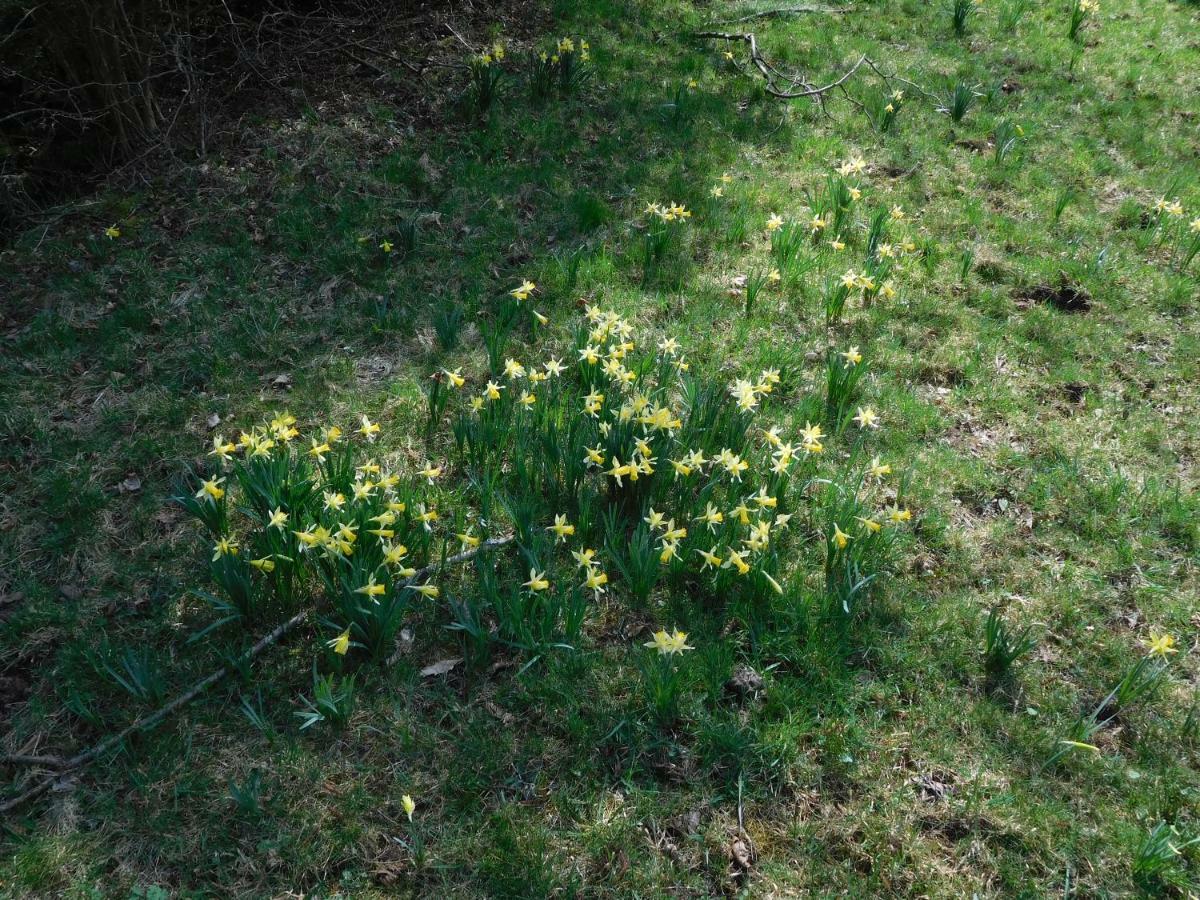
85	757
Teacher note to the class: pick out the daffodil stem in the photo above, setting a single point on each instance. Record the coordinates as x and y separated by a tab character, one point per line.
79	760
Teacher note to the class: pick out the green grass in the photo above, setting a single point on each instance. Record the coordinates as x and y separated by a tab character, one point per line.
1050	457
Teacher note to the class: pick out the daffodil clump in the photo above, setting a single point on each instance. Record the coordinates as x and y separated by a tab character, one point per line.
623	452
1139	683
1080	12
291	517
561	69
661	234
830	234
619	472
486	75
1175	229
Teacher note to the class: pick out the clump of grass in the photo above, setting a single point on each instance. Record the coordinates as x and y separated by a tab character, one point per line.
1155	863
1011	15
883	108
959	101
960	13
247	796
661	236
1171	227
966	264
1138	683
1002	647
1004	140
561	71
332	701
843	372
837	291
755	282
1064	198
136	673
662	677
787	244
447	325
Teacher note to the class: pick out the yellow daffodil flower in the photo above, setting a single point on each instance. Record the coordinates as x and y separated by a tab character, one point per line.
1162	646
562	528
340	644
222	449
840	538
866	417
537	581
737	559
669	644
368	429
211	490
594	580
371	589
523	291
224	547
585	559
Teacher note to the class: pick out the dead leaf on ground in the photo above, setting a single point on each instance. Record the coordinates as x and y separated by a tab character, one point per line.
325	291
745	682
741	855
932	787
441	667
505	717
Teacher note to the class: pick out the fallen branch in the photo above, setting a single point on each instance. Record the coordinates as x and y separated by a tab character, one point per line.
79	760
784	11
82	759
797	87
30	759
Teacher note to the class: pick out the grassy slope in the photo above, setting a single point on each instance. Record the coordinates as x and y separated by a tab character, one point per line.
1052	458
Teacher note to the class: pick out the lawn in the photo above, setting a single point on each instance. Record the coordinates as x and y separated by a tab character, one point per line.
962	656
